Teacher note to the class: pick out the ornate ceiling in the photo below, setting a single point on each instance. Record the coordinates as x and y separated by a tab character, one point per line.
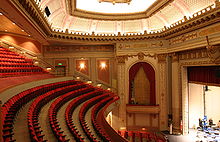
160	14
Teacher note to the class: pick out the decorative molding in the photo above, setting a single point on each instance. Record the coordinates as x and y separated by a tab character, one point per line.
162	57
182	38
213	53
79	48
140	55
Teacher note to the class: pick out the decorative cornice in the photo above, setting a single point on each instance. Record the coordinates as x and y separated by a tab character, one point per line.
205	17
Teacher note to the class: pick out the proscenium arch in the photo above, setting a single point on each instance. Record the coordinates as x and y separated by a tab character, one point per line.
150	73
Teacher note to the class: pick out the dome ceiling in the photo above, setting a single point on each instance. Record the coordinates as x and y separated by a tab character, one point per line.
112	7
65	14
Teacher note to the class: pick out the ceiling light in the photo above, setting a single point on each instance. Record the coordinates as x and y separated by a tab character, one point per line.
29	35
22	30
1	14
6	30
13	23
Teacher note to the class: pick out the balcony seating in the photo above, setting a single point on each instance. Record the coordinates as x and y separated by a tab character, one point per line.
57	104
72	106
39	102
13	64
86	106
13	105
80	96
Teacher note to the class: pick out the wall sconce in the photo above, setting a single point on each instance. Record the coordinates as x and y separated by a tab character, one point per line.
103	65
82	65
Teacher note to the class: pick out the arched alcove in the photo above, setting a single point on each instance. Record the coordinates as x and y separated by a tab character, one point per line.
142	84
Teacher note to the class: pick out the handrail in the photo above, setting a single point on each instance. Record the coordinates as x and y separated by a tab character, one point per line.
115	137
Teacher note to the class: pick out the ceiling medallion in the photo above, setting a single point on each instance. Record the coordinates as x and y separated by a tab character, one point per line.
115	1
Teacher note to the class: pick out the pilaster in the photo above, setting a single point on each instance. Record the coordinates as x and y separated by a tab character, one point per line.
162	66
176	93
121	92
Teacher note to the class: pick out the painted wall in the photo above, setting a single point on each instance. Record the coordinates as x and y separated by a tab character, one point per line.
24	42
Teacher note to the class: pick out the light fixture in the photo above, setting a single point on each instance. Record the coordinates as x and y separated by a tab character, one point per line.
82	65
11	47
29	35
13	23
1	14
49	69
143	128
6	30
36	62
22	30
103	65
89	82
109	89
77	77
99	85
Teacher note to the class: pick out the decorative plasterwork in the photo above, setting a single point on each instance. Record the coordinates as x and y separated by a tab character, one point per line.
79	48
157	6
213	53
200	19
162	57
140	55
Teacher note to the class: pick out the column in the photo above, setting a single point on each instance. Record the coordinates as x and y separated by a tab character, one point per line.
121	92
176	101
162	93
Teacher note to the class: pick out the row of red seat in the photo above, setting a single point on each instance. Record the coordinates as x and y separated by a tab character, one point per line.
141	136
39	102
94	115
2	52
8	64
57	104
86	106
14	104
13	64
70	109
16	60
8	56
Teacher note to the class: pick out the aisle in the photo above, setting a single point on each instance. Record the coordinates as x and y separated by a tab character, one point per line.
62	122
21	133
44	123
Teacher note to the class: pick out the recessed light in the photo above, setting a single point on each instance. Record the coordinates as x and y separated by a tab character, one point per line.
29	35
6	30
13	23
1	13
22	30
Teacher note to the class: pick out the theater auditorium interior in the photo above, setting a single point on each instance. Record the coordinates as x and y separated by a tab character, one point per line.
109	70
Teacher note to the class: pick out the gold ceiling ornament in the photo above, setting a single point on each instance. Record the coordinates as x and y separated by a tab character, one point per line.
116	1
